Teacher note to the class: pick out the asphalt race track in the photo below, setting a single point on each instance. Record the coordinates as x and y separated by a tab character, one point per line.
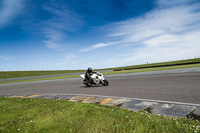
165	86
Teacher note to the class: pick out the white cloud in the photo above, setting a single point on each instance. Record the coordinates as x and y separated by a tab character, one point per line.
165	33
164	3
54	45
65	62
9	9
53	34
63	20
96	46
68	59
163	39
168	47
4	58
54	39
157	22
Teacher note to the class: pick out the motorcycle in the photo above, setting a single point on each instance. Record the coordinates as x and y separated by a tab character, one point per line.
97	79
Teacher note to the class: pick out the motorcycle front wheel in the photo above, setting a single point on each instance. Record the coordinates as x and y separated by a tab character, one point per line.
105	83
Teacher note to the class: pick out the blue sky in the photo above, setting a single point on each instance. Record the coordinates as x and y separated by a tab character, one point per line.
77	34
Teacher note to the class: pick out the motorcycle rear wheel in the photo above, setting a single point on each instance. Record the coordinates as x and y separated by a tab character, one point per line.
84	82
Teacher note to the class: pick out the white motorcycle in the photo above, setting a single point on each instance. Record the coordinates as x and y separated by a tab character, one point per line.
97	79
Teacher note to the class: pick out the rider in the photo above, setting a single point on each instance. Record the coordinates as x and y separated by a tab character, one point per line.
88	75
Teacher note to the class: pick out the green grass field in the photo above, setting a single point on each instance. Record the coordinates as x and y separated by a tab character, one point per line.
197	60
17	74
153	69
58	116
110	73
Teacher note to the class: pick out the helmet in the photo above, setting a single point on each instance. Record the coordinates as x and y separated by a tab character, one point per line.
89	69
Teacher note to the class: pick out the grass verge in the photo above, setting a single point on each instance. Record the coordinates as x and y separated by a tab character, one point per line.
18	74
56	116
183	62
153	69
40	79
